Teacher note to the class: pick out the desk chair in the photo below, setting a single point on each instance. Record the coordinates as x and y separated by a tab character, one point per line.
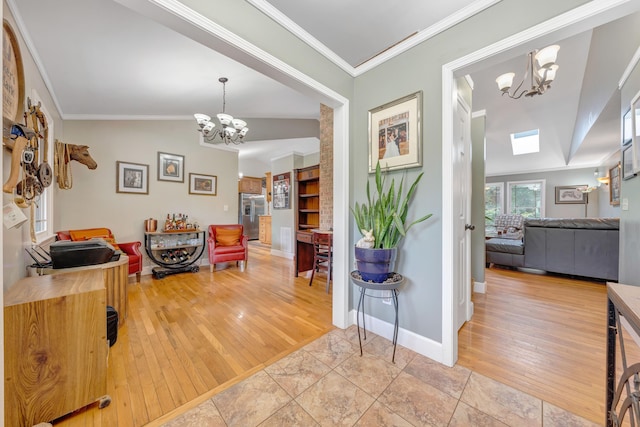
322	255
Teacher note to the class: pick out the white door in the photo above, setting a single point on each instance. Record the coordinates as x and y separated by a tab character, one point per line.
462	212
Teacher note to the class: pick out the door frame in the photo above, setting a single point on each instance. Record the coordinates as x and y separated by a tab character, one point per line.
563	21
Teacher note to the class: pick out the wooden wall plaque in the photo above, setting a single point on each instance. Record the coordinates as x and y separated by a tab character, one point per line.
12	75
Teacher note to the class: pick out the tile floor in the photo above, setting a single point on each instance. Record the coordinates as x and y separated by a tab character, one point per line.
327	383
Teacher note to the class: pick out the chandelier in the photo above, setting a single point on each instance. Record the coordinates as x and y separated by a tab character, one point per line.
233	130
541	69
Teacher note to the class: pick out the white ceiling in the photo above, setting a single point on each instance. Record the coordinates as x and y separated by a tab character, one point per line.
102	60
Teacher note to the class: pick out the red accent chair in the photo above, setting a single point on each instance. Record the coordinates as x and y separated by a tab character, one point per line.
131	249
228	243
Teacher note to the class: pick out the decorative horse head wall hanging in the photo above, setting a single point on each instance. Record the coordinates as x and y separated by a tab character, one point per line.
63	154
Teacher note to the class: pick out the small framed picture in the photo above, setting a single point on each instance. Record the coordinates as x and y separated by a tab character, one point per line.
571	195
132	178
627	162
205	185
395	134
170	167
614	185
627	131
281	190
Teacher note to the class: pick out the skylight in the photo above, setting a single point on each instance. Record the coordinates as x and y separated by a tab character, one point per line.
525	142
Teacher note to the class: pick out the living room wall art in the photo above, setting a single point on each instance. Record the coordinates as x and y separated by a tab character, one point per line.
627	163
571	194
635	125
205	185
170	167
132	178
395	134
281	190
614	185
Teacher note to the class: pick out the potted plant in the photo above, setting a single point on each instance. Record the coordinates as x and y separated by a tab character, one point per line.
382	220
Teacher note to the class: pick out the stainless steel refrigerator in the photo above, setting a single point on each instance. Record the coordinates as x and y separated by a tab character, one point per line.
251	207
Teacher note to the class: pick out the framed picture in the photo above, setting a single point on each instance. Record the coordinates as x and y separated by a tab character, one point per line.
614	185
395	134
635	125
627	163
132	178
170	167
281	190
205	185
627	131
571	195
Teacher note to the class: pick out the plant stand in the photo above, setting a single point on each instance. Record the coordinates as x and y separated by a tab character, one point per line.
392	284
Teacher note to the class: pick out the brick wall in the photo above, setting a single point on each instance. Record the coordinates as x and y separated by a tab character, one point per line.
326	167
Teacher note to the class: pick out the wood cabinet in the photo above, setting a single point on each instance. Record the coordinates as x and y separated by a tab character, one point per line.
55	330
307	215
250	185
265	229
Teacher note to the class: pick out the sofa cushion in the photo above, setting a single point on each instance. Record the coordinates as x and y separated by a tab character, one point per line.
507	221
94	233
228	237
220	250
584	223
505	245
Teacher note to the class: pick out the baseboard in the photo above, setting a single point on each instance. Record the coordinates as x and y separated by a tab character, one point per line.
281	254
421	345
479	287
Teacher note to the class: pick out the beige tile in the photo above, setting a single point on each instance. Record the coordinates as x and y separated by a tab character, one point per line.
331	349
368	372
351	334
381	416
251	401
444	378
290	415
466	416
296	372
553	416
504	403
383	348
417	402
203	415
335	401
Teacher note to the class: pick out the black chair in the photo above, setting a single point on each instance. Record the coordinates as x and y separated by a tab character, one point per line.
322	255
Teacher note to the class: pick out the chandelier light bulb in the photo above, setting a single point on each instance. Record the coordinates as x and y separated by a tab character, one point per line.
547	56
505	81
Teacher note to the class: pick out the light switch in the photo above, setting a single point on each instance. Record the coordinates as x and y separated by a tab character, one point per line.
625	204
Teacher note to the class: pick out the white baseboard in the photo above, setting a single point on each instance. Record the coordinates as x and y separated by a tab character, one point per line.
282	254
408	339
479	287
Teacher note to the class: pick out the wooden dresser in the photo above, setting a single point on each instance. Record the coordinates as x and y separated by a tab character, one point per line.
55	347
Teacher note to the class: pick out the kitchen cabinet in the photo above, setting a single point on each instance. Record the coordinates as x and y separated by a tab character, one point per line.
250	185
265	229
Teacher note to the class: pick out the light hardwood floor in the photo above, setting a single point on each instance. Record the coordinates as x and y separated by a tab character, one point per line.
191	335
544	335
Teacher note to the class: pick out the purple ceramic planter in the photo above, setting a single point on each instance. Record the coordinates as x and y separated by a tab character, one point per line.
375	265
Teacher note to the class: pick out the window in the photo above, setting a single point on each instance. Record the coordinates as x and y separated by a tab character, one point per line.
493	201
526	198
525	142
44	204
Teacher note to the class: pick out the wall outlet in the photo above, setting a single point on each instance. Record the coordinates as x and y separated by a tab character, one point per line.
226	208
625	204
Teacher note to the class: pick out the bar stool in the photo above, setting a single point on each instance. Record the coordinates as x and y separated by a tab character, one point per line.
322	255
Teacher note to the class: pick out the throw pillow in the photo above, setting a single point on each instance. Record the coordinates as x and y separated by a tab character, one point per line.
228	237
94	233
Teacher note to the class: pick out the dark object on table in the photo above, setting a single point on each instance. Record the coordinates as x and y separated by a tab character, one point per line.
67	254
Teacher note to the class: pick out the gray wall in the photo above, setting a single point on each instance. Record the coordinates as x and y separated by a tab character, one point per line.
630	190
564	178
478	253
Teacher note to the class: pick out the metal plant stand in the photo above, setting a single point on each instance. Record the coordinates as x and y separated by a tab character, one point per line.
394	282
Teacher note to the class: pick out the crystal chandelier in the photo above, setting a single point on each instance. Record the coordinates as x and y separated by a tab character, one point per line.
233	130
541	69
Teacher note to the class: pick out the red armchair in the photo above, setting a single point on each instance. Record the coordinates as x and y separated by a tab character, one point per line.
228	243
131	249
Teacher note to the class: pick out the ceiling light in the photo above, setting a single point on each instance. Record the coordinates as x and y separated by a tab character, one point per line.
233	130
541	69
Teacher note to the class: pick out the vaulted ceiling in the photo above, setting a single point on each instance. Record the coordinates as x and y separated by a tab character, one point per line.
102	60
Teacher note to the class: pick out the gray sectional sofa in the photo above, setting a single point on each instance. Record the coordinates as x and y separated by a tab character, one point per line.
586	247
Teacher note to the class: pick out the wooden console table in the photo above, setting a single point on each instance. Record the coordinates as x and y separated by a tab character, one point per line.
623	301
55	346
115	275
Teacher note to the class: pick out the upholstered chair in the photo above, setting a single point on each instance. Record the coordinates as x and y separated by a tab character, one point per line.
227	242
